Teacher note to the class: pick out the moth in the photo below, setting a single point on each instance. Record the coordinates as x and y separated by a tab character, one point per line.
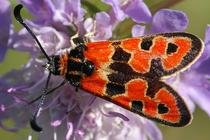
129	72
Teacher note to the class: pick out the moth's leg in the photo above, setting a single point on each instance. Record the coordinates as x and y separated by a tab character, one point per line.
49	92
72	42
42	98
77	39
33	122
91	34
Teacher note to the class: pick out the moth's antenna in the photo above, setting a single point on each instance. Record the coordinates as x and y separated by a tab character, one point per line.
49	92
21	21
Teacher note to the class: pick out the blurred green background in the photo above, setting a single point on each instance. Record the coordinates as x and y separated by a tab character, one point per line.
199	17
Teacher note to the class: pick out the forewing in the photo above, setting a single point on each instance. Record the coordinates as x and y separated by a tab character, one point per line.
157	55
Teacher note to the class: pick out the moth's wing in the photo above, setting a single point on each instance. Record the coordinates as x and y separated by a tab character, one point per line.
162	55
135	61
157	55
154	99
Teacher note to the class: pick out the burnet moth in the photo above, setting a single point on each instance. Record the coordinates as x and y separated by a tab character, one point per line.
127	72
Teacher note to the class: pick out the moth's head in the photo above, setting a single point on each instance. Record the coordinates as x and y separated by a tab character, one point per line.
53	65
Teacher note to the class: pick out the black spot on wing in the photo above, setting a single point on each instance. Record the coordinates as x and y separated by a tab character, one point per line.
119	78
136	106
172	48
146	43
153	88
113	89
122	74
162	109
121	55
122	68
156	70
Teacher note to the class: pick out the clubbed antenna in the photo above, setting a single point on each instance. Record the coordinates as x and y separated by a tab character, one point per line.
21	21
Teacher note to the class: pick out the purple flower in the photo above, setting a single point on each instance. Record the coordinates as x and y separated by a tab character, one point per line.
5	27
163	21
138	30
135	9
138	11
70	114
118	13
166	20
41	9
103	29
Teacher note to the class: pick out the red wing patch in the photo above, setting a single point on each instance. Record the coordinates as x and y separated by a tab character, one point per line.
99	53
129	72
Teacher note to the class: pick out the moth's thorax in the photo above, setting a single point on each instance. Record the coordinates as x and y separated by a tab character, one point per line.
72	65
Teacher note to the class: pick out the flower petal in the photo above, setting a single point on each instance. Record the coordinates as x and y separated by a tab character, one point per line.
70	130
185	95
74	7
166	20
152	130
138	30
138	11
119	14
40	8
207	37
202	101
204	68
88	25
201	96
5	25
198	89
116	114
51	40
103	26
202	62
